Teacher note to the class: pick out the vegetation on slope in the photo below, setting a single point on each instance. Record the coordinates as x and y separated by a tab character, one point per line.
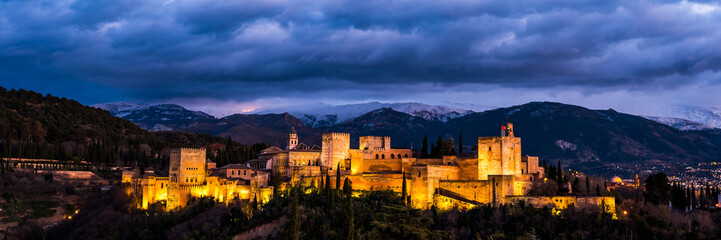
37	126
331	213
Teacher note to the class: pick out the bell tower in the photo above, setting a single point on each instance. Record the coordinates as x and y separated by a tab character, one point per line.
292	139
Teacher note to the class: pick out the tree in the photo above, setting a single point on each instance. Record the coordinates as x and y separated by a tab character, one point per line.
443	148
294	226
350	218
337	177
255	201
657	189
588	185
404	195
424	147
328	193
347	188
460	142
559	172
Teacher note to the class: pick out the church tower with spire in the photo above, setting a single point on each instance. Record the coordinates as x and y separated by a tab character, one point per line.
292	139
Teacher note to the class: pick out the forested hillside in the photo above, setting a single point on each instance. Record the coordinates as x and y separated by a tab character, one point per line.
37	126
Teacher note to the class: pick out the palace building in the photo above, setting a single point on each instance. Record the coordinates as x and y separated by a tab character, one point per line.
496	174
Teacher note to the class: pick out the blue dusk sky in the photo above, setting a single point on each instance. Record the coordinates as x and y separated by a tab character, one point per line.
230	56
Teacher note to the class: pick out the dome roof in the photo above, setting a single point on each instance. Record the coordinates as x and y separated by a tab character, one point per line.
616	179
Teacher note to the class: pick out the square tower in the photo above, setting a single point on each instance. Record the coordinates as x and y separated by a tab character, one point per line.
187	168
335	150
499	155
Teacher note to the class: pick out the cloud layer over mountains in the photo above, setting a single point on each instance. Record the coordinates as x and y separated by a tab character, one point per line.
243	51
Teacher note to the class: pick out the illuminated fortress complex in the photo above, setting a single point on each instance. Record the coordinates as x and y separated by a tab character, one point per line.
191	175
496	174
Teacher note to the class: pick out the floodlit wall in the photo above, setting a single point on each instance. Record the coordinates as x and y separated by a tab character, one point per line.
499	156
474	190
374	143
334	150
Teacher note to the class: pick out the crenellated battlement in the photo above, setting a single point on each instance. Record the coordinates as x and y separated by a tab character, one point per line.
188	150
336	135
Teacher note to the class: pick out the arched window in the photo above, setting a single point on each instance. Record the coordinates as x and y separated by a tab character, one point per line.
399	156
405	155
383	156
376	156
393	156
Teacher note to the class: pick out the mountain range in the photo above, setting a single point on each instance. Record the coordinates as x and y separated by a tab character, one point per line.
598	141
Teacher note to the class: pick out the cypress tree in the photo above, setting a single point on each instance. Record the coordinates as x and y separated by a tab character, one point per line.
424	147
294	215
588	185
337	177
347	187
255	202
460	142
433	151
350	218
559	172
328	194
404	194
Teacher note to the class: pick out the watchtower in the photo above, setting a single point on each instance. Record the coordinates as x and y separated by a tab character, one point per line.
292	139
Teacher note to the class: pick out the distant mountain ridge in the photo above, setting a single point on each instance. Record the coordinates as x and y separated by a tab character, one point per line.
162	117
686	117
598	141
324	115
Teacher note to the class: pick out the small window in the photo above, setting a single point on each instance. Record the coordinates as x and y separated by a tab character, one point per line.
405	155
489	148
383	156
376	156
393	156
419	174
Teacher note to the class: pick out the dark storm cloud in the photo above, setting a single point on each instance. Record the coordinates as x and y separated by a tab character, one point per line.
241	50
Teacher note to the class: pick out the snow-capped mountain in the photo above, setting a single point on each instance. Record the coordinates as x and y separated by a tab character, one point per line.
678	123
116	108
685	117
710	117
162	117
324	115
